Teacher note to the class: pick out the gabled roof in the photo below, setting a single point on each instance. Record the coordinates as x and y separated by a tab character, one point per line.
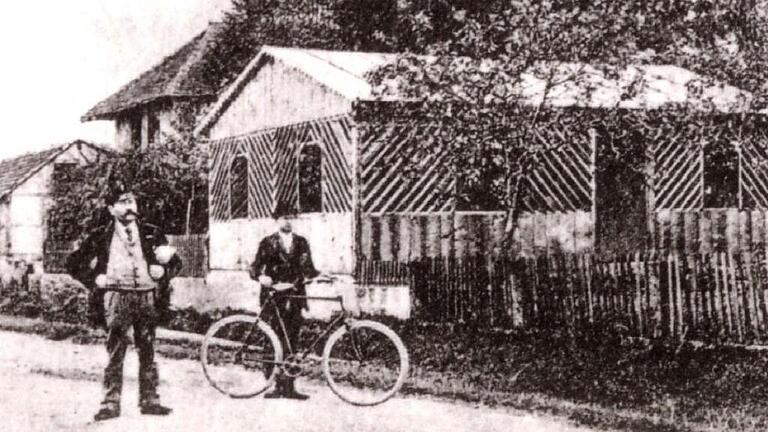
14	172
342	72
562	84
179	75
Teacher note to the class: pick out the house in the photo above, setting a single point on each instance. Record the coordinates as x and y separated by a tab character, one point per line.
165	100
302	128
26	183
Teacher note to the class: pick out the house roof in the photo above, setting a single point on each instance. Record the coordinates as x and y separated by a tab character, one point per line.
630	87
179	75
14	172
343	72
562	84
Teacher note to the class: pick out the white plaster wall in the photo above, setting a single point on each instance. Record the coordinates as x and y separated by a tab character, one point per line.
234	289
233	244
166	119
278	96
122	134
123	128
29	204
5	232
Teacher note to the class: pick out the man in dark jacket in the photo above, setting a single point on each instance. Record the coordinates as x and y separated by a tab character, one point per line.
129	287
284	257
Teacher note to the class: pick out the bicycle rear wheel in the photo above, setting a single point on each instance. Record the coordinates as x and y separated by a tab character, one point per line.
240	356
365	363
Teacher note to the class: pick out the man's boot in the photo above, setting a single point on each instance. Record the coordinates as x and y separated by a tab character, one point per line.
154	408
291	393
107	412
278	391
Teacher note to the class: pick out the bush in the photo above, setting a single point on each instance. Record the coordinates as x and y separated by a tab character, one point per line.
57	299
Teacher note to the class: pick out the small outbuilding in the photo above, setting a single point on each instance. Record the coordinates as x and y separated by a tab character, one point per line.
26	183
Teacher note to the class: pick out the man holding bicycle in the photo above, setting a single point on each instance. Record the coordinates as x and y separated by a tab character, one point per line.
284	257
127	268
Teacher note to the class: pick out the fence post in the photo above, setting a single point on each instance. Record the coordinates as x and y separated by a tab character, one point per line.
515	291
654	293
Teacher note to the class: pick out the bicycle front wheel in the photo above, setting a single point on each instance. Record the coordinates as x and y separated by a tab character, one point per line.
365	363
240	356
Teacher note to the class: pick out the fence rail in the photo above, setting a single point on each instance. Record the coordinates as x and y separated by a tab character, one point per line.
718	296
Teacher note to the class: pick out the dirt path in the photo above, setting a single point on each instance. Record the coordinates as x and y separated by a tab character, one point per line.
47	386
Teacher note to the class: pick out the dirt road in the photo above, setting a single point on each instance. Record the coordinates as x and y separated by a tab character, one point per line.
47	386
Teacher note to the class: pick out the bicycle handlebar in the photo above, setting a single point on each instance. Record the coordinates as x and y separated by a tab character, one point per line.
284	286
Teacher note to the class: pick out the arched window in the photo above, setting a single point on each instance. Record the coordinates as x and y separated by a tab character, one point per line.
238	188
310	179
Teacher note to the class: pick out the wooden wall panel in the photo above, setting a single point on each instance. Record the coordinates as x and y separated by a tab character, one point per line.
460	234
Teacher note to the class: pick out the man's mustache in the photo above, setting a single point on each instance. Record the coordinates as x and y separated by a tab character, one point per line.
132	212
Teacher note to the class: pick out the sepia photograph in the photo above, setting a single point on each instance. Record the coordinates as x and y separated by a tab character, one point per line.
384	215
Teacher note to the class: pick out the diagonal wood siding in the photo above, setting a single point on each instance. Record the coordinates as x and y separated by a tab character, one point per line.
385	154
273	167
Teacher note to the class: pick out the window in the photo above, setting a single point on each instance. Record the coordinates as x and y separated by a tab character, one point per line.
135	125
721	176
479	187
153	129
238	188
310	179
479	193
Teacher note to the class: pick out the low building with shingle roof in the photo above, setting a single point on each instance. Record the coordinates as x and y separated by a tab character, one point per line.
26	185
153	105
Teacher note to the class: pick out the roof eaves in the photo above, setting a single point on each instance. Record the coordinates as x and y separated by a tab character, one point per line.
107	108
56	153
111	115
36	169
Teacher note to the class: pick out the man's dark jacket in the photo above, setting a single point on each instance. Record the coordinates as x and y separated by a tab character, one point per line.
291	266
97	245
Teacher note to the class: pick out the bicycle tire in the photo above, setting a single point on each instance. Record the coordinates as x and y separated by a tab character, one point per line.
357	391
217	373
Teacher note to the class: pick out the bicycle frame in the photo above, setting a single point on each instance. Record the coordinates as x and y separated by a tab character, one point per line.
270	301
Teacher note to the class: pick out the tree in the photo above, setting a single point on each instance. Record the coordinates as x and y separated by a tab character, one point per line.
251	24
473	86
170	181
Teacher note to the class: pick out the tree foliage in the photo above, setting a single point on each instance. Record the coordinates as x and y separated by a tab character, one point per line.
170	181
475	83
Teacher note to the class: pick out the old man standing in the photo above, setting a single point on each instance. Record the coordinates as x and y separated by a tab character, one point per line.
128	274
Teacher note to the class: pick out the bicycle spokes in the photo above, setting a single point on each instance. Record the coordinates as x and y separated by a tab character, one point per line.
239	358
365	365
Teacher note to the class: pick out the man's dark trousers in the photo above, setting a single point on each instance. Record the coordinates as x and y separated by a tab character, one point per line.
290	312
123	310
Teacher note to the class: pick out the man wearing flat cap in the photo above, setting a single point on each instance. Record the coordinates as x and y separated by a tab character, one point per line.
127	266
284	257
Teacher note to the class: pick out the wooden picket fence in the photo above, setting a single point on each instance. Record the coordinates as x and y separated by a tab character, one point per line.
717	296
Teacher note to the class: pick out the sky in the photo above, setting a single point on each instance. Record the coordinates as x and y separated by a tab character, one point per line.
59	58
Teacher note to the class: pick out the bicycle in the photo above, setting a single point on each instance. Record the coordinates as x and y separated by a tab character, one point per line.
364	362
